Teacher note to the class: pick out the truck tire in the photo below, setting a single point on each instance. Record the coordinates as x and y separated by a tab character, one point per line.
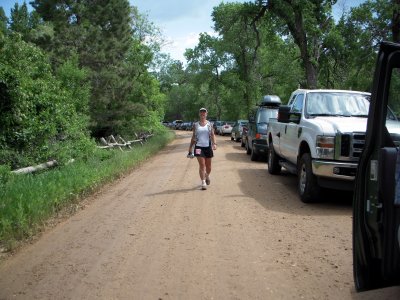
254	155
248	150
309	189
274	167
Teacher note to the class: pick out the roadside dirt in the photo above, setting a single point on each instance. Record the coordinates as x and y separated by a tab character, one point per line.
155	235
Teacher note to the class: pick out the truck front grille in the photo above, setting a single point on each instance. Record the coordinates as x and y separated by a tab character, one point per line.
352	145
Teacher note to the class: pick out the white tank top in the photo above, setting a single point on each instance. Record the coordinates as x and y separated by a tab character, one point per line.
203	136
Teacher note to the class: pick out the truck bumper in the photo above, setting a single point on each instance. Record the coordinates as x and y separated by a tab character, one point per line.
334	170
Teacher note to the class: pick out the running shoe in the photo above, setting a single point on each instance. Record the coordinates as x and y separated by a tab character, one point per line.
203	185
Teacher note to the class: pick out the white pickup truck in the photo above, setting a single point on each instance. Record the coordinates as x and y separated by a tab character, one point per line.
319	136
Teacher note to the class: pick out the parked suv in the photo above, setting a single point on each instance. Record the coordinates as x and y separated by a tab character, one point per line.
256	139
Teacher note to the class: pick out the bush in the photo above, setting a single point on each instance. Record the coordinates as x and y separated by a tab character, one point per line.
42	117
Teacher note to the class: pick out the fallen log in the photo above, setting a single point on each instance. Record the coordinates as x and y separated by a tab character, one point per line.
43	166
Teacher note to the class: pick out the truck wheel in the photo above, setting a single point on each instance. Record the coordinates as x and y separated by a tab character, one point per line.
273	161
248	150
254	155
307	182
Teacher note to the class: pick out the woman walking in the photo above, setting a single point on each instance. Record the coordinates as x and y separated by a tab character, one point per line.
203	140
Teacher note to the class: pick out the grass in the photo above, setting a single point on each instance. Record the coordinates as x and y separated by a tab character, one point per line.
27	202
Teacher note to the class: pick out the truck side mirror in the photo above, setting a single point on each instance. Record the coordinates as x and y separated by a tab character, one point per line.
283	113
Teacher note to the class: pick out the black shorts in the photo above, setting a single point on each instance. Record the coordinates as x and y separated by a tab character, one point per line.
206	152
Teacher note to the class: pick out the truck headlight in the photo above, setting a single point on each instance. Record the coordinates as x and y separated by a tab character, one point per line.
325	147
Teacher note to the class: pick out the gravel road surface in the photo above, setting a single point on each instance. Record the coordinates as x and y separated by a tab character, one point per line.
155	235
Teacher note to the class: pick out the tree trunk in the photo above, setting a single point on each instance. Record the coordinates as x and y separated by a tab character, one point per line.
293	16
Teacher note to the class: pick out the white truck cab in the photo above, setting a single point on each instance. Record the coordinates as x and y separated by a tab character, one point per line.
319	136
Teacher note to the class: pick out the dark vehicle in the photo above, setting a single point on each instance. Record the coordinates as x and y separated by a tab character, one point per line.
376	200
256	141
237	130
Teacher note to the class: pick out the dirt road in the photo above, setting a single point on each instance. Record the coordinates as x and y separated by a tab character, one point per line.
155	235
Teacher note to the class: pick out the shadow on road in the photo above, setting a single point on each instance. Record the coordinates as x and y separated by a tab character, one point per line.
176	191
279	192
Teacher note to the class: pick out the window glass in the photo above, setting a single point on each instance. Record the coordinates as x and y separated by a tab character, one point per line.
392	122
337	104
298	104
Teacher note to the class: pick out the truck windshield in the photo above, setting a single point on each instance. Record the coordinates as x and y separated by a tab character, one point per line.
337	104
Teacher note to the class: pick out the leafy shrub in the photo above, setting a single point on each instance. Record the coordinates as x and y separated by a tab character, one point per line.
42	117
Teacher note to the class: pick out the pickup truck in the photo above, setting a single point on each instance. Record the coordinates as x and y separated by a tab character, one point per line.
319	136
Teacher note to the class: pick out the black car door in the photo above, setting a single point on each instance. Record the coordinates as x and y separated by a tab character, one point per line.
376	206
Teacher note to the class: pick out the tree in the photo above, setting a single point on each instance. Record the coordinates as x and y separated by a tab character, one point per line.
3	22
40	118
307	22
241	38
207	61
356	39
100	33
20	19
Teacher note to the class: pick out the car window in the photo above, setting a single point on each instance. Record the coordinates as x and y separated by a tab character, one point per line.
298	104
291	99
266	114
338	103
392	122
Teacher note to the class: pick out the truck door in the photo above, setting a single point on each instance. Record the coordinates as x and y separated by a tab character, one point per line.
376	205
291	135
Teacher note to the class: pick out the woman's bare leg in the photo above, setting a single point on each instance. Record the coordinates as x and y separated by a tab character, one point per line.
202	167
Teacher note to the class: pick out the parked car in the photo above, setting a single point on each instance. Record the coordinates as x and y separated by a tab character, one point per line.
226	128
256	139
237	130
217	126
176	124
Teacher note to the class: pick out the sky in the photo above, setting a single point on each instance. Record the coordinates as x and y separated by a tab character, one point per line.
182	21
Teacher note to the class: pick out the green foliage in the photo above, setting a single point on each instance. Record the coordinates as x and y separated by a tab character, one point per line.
27	201
5	175
3	23
38	118
241	39
20	19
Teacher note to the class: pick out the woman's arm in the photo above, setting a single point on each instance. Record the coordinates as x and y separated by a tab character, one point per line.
213	141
